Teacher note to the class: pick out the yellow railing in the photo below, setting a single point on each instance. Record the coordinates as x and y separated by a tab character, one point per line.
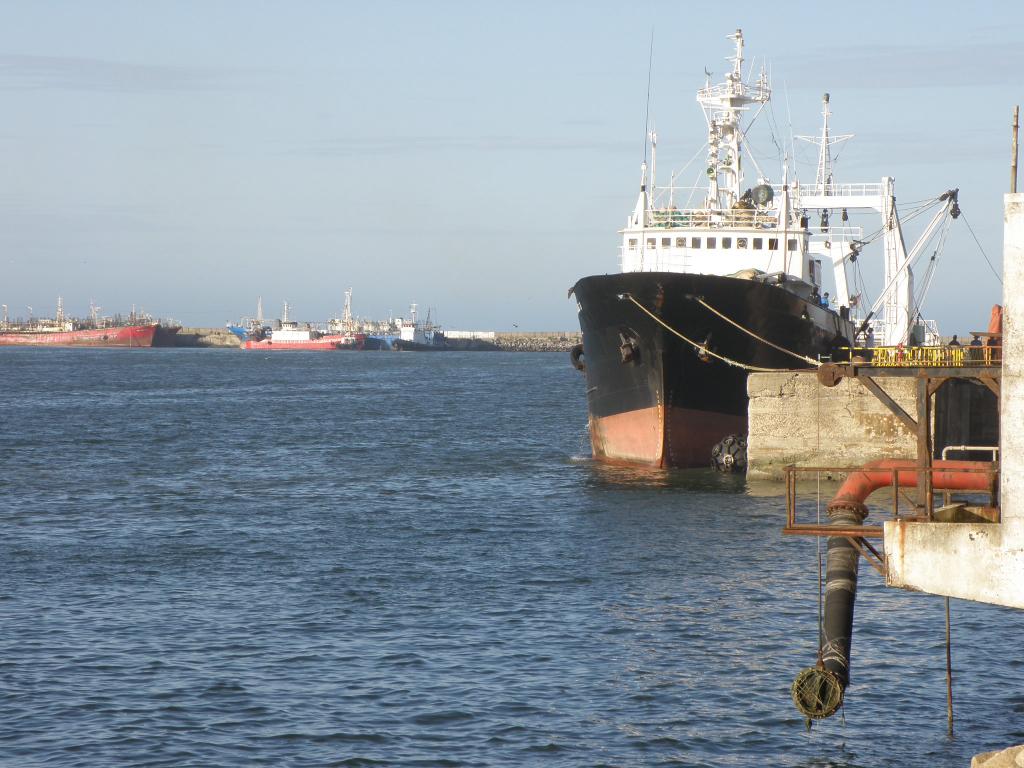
938	357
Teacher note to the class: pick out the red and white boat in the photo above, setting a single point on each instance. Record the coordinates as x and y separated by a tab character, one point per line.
290	337
117	336
62	332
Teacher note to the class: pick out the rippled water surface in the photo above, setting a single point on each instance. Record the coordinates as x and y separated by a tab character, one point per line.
217	558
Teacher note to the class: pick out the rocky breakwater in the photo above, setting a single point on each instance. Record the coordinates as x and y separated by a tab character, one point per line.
206	337
537	341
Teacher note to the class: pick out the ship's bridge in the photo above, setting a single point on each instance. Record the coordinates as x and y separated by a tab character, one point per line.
718	242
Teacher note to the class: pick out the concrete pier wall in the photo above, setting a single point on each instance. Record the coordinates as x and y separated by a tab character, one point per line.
795	420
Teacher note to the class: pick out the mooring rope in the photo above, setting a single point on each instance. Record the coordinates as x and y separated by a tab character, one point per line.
749	332
697	345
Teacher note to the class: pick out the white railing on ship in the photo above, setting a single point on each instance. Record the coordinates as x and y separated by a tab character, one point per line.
755	91
719	219
837	190
834	233
631	261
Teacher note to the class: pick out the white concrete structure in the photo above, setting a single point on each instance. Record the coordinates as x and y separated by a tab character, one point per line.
979	561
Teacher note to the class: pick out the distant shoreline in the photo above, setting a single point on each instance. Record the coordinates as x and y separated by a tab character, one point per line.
504	341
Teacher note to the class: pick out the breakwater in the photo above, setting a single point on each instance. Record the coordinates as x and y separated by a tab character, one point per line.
539	341
205	337
525	341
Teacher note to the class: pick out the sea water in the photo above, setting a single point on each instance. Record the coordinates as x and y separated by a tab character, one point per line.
225	558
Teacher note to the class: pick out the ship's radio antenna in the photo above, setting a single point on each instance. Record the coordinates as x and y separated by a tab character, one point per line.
647	114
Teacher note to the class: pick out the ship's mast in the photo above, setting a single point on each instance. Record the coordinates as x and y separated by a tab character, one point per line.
723	104
259	310
284	314
346	313
823	179
60	310
828	196
654	164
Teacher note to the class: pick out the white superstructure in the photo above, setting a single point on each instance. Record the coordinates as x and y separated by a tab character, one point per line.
291	331
765	232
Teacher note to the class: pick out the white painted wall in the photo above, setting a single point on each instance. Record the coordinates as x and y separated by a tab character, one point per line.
968	560
1011	401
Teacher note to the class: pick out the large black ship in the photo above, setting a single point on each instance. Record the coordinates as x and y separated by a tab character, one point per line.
659	399
711	291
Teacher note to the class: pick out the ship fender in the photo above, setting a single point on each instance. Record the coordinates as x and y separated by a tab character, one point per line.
576	358
730	454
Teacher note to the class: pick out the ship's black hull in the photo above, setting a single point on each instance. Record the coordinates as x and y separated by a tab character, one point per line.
653	398
414	346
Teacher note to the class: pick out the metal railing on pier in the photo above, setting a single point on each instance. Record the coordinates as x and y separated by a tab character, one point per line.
918	513
927	357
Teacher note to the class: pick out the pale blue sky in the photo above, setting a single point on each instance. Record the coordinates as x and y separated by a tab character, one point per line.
474	157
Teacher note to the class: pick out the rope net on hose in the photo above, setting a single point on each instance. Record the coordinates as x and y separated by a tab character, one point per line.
817	693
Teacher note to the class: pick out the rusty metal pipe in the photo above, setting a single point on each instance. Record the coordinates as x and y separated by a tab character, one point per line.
949	475
818	691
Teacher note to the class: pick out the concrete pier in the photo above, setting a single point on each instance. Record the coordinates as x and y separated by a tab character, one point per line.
793	419
980	561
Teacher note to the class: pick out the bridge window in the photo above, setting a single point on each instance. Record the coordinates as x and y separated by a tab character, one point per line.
666	242
773	243
712	242
791	244
758	244
727	242
741	242
680	242
695	242
652	242
632	243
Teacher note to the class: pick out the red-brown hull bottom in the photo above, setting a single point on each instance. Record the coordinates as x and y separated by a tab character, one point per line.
681	437
124	336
